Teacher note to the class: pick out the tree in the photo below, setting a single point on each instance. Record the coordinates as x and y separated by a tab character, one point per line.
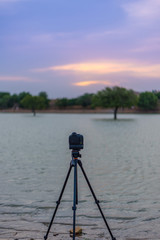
4	99
147	101
72	102
2	94
61	102
33	102
13	101
115	97
45	96
157	93
21	96
85	100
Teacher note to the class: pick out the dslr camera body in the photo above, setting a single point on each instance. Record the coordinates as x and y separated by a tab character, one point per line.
76	141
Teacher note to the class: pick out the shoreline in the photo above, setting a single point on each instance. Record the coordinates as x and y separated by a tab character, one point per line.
82	111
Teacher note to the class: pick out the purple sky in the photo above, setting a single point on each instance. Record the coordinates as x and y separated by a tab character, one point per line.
68	48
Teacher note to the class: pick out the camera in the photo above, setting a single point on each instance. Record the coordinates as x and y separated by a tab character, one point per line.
76	141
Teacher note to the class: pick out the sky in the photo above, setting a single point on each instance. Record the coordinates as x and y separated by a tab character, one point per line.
68	48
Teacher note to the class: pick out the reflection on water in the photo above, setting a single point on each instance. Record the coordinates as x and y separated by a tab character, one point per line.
121	159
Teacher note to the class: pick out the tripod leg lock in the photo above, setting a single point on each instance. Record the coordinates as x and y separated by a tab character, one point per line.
97	201
74	208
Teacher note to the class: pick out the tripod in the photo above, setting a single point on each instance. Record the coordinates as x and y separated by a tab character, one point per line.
74	162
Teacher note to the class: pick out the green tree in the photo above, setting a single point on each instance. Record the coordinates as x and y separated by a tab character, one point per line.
72	102
85	100
45	96
4	99
61	102
13	101
21	96
157	93
34	103
147	101
115	97
2	94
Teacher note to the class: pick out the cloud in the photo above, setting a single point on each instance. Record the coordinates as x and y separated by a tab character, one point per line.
88	83
102	34
15	79
108	67
90	67
143	11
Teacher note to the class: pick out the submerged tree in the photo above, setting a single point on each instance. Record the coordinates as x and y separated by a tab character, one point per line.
34	103
115	97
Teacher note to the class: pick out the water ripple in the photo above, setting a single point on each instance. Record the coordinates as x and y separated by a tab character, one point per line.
121	159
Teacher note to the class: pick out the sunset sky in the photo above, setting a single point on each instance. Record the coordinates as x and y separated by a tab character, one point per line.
68	48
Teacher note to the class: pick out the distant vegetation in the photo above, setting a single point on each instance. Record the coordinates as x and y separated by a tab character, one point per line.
115	98
148	100
84	101
24	100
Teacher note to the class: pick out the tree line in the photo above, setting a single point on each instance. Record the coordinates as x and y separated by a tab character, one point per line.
115	97
24	100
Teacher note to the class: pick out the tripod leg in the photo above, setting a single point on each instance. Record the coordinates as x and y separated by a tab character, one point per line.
76	186
75	197
58	202
96	200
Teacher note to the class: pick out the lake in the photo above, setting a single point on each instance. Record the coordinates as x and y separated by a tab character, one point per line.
121	159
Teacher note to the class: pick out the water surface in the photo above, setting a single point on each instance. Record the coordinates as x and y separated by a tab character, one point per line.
121	159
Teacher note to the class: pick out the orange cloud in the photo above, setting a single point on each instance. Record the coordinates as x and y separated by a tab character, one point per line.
87	83
100	68
15	78
108	67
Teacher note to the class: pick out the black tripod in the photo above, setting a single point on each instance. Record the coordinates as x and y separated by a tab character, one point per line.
74	162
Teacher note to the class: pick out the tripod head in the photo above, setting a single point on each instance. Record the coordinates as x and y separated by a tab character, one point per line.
76	154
